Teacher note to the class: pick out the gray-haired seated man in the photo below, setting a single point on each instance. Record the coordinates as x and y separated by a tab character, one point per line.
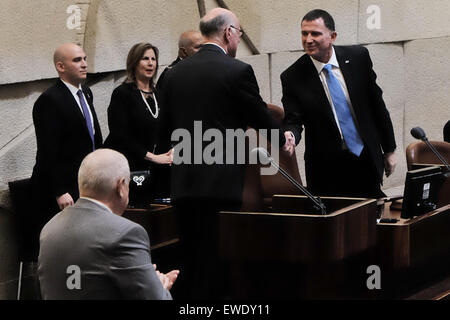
88	251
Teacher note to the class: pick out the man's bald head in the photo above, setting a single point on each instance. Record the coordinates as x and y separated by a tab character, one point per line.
189	43
221	26
216	20
61	53
70	63
102	173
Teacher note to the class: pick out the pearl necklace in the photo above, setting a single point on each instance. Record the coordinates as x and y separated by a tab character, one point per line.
154	115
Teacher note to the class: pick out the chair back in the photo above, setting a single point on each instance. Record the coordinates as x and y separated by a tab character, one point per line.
419	153
259	189
27	230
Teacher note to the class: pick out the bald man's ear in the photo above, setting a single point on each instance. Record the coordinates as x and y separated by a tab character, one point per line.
121	187
60	66
182	52
227	35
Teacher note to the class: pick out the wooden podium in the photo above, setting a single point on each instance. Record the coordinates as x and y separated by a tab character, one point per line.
162	227
289	253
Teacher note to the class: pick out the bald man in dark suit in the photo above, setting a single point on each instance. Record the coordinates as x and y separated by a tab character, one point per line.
67	129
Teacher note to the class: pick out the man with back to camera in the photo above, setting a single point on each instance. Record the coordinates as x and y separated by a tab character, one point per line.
67	129
111	254
189	43
222	93
331	91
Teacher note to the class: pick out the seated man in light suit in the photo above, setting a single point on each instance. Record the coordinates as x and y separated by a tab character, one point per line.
88	251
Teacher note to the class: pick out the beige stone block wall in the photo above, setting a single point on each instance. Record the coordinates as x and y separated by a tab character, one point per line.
427	75
16	108
18	158
114	26
260	64
280	61
404	20
388	64
274	26
29	33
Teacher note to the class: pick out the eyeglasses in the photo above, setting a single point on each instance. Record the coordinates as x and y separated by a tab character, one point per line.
241	32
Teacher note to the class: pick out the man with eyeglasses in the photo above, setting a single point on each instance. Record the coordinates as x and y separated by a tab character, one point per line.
222	93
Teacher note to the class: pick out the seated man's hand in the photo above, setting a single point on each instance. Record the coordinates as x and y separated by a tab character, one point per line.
167	279
172	276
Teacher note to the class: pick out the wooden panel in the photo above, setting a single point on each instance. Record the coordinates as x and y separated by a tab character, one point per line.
299	255
159	221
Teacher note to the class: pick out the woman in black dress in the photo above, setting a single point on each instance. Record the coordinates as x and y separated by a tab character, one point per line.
133	113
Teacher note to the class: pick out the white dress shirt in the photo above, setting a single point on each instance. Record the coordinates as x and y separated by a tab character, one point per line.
74	91
216	46
97	202
340	77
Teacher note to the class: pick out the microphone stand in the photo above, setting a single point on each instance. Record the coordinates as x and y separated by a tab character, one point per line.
436	153
318	204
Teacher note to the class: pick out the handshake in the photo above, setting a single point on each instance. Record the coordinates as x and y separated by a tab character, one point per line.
289	146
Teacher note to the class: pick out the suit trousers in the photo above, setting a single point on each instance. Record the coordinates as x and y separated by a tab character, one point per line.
345	175
202	272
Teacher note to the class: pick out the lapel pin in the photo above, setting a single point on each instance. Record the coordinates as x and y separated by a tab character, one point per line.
347	61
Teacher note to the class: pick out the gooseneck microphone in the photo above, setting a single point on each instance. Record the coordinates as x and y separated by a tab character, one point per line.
265	156
418	133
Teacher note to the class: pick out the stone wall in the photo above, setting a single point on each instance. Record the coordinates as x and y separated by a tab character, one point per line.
409	42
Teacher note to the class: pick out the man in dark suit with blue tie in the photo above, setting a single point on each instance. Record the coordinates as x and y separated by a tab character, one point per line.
331	92
67	129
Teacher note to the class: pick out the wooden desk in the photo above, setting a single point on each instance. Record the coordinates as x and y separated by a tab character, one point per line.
414	251
160	223
286	253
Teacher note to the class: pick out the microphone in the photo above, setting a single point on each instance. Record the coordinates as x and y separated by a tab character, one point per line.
265	157
418	133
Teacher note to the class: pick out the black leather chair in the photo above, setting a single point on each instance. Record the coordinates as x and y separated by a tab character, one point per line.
27	228
419	153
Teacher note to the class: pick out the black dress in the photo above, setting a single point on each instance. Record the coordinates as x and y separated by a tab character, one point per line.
133	126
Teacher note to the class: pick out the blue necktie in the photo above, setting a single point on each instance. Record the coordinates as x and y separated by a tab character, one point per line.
351	136
87	117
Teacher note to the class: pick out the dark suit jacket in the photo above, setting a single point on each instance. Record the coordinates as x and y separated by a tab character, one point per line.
132	128
63	140
306	105
222	93
111	252
160	83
